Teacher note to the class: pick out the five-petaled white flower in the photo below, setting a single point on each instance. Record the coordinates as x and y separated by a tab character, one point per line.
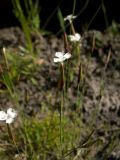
69	18
61	56
9	116
75	38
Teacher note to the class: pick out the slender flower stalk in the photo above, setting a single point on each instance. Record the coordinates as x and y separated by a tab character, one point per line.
11	136
72	28
61	107
61	57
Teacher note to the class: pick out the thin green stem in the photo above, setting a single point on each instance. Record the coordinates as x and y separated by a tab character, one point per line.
61	109
74	5
105	14
72	28
12	137
61	126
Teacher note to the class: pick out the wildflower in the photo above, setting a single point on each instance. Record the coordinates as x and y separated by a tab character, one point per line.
69	18
9	116
3	116
61	56
75	38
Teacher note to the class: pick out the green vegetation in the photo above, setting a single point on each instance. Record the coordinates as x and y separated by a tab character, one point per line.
29	19
57	130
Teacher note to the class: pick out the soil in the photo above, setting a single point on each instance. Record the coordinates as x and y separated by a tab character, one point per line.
40	88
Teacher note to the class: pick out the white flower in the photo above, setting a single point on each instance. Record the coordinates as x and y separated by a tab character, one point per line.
61	56
75	38
3	116
69	18
9	116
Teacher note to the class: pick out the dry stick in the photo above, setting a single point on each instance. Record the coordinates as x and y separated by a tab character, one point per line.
108	59
80	146
66	45
5	59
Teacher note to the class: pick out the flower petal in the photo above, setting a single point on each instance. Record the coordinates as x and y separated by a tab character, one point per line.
59	54
9	120
69	17
58	60
75	38
67	56
3	116
11	113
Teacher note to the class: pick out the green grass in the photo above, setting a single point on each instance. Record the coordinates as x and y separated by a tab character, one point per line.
30	21
39	138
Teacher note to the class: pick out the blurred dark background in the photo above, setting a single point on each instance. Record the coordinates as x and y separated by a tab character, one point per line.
93	14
